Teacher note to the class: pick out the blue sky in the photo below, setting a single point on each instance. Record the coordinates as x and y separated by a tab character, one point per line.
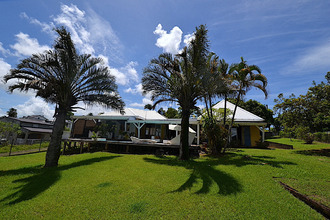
288	40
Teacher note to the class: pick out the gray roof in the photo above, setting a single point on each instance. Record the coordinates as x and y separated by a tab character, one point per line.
39	130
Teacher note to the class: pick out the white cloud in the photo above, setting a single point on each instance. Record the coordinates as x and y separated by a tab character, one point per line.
188	38
74	19
48	28
314	59
126	74
35	106
145	101
136	90
3	50
27	46
170	42
4	69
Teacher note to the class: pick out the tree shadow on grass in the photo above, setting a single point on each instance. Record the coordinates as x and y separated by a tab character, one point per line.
317	152
41	179
206	171
240	160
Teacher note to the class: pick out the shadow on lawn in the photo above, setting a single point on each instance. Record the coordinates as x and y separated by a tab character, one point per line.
318	152
41	179
240	160
206	171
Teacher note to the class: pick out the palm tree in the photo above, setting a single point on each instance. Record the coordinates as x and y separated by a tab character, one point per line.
178	79
63	77
244	78
223	70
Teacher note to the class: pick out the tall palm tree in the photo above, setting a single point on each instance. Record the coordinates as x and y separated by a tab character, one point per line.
244	78
178	79
223	71
63	77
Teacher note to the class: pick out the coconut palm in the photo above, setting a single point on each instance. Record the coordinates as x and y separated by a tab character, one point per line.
245	77
178	79
63	77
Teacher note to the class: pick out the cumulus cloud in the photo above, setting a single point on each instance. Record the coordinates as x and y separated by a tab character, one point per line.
35	106
188	38
126	74
145	101
4	69
136	90
27	46
170	42
316	58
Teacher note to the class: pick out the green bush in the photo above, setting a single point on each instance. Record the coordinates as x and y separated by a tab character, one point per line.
322	137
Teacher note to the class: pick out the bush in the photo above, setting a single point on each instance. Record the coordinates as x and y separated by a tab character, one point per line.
325	137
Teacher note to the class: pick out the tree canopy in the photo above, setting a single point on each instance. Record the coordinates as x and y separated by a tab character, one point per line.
64	77
310	111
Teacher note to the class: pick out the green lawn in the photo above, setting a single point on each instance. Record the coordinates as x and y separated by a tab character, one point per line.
113	186
6	148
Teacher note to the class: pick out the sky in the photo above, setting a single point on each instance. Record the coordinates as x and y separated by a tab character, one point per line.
288	40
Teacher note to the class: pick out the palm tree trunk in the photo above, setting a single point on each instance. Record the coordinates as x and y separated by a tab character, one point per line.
184	142
232	122
54	148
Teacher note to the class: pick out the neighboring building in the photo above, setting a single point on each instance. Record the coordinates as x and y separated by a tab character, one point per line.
248	128
32	129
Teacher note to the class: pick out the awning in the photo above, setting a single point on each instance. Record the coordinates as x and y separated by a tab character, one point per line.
178	128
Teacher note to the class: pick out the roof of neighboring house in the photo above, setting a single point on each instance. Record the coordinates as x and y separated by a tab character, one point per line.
241	114
32	121
39	130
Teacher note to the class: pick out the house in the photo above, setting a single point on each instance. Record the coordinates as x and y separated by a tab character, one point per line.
144	124
248	128
33	129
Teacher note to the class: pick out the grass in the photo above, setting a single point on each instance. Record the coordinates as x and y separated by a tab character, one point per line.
23	147
112	186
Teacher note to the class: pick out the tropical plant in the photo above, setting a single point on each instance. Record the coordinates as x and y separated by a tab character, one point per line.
63	77
243	79
178	79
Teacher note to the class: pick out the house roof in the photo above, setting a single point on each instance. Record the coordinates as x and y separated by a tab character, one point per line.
241	114
38	130
129	113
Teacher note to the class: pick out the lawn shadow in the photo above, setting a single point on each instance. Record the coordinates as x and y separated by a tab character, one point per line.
204	170
240	160
41	179
317	152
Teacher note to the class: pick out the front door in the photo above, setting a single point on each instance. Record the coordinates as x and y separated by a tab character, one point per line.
247	136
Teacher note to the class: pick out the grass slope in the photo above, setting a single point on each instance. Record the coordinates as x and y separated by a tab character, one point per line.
112	186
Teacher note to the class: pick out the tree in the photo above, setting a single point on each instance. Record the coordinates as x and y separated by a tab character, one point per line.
178	79
12	112
63	77
172	113
148	106
310	111
244	78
